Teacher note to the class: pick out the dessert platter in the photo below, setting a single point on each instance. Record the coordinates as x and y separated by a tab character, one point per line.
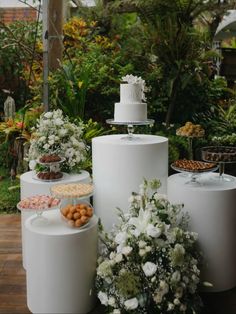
221	155
51	168
75	211
72	190
38	204
77	215
193	168
131	110
191	131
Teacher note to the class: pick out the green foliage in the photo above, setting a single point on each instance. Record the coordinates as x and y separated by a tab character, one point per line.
8	200
15	56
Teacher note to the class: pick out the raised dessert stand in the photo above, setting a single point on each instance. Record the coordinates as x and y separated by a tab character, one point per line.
30	187
61	265
119	167
212	211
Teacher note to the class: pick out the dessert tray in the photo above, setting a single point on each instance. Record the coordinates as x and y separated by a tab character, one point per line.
77	215
35	177
221	155
38	204
51	163
193	168
72	190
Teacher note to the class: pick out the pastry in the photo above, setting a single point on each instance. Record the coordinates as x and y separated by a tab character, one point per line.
73	190
193	165
77	215
38	202
49	158
190	129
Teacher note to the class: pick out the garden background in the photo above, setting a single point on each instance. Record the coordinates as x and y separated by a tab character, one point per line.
169	43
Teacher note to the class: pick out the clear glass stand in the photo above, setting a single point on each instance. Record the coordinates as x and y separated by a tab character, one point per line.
39	220
130	127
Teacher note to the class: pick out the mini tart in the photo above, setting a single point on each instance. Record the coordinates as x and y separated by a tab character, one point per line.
72	190
193	165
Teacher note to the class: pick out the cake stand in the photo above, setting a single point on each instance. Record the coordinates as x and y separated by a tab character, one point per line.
193	175
219	154
130	126
39	220
51	166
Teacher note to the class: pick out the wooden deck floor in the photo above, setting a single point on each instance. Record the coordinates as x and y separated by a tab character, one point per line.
12	276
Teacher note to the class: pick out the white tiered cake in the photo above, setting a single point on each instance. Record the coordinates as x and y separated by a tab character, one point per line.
131	108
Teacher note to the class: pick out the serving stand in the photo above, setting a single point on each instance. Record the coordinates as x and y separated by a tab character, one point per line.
221	158
193	175
130	126
50	167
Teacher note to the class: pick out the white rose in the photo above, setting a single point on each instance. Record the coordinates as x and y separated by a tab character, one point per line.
62	132
142	252
131	304
120	237
153	231
148	249
126	250
46	146
112	301
58	121
142	244
116	311
32	164
103	297
175	276
42	139
118	258
48	115
149	269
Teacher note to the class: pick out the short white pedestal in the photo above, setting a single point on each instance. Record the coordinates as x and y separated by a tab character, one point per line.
29	187
119	167
212	210
61	266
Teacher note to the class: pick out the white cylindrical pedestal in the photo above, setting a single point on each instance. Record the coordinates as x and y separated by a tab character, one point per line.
30	186
212	211
119	167
61	266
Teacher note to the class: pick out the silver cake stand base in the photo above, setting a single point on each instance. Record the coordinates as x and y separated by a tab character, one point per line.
130	126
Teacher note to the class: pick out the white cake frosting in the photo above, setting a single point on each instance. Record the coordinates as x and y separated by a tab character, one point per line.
130	108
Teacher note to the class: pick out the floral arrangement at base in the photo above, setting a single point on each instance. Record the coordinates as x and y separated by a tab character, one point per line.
55	134
149	262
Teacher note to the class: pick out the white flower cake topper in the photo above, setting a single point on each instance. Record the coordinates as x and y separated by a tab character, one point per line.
131	79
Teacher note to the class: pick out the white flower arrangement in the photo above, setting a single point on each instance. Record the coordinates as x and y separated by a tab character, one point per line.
149	262
55	134
131	79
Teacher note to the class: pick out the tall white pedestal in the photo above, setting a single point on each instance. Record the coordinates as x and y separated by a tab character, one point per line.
61	266
212	210
29	187
119	167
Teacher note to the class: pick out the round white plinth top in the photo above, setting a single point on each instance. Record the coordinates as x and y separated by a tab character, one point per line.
29	178
56	226
139	139
208	182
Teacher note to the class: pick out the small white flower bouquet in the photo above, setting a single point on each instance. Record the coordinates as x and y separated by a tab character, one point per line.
149	262
55	134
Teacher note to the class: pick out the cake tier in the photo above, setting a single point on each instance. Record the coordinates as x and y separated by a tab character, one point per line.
130	112
130	93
